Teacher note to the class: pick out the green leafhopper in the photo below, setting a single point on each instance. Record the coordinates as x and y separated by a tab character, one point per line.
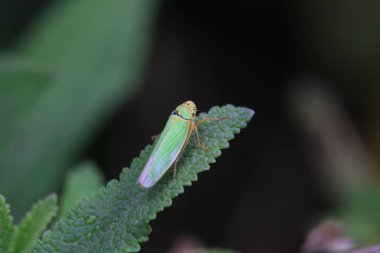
171	143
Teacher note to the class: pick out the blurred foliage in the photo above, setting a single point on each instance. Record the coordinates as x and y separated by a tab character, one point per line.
360	210
22	83
75	65
80	182
342	161
6	226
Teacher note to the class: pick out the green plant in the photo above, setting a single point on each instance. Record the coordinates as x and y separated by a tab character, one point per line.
116	217
20	239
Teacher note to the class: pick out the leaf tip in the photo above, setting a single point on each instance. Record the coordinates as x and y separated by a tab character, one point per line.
250	112
53	197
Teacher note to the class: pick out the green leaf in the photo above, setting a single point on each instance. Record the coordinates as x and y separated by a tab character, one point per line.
82	180
96	51
6	227
116	218
22	81
359	208
34	223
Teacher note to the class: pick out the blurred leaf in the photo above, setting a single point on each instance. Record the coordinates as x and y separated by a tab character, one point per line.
22	81
116	218
96	50
360	209
342	159
6	227
85	178
34	223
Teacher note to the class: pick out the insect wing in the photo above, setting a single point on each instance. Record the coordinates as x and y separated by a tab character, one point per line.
166	150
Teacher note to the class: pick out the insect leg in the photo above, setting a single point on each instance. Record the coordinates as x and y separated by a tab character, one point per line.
156	136
175	168
198	141
209	119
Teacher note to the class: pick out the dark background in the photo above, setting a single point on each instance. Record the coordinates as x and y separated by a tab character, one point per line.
263	194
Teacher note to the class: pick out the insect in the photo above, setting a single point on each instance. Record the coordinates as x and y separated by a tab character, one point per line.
171	143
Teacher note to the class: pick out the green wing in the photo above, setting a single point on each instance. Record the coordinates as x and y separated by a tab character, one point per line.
166	151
